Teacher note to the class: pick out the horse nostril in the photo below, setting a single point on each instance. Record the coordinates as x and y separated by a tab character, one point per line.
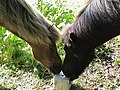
66	72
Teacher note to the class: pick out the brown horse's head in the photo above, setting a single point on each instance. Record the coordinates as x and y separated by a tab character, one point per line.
47	54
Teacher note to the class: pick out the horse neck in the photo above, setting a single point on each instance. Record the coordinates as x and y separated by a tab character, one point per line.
97	24
26	22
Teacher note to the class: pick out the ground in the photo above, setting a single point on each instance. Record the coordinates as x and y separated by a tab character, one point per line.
101	74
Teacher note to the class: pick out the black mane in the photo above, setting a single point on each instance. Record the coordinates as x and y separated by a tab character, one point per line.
98	22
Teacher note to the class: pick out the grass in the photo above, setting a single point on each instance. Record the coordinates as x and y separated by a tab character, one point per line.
21	80
18	70
101	74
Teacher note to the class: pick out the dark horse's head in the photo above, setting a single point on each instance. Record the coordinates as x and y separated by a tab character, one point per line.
98	22
78	54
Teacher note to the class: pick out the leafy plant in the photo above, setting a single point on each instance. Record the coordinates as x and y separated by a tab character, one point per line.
15	53
56	12
102	51
117	60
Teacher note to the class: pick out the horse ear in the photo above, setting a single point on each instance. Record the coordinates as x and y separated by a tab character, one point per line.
68	39
72	37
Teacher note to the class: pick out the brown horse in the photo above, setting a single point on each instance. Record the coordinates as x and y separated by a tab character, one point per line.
97	23
22	19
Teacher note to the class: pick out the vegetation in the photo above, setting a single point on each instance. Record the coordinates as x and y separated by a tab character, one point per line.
19	69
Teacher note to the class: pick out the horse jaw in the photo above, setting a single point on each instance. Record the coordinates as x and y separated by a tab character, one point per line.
61	82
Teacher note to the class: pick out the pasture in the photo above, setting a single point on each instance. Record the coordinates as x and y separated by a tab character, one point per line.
18	69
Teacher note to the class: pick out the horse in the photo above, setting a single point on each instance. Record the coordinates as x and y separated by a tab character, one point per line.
26	22
97	23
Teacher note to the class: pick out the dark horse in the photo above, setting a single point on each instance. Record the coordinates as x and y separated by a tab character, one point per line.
97	23
22	19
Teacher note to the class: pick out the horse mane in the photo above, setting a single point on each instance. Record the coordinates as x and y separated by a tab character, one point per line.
95	24
68	29
21	18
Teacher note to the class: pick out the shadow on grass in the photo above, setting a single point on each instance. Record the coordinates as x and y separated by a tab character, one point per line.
76	87
3	88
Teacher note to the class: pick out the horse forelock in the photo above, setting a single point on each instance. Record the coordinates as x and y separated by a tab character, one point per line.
27	21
